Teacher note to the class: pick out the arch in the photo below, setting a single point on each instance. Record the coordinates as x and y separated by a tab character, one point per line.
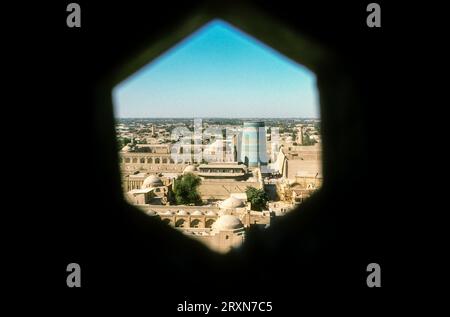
166	221
150	160
209	223
180	223
157	161
195	223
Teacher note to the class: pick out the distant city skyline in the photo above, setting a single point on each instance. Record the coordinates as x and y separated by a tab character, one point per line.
226	118
219	72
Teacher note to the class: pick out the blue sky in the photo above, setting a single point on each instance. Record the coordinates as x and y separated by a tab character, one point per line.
218	71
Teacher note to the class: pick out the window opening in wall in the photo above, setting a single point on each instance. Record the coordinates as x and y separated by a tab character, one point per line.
231	133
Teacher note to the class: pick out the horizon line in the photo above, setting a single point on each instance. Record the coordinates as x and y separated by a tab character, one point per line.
315	118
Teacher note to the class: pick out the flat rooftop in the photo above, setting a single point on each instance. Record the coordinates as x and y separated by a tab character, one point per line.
223	165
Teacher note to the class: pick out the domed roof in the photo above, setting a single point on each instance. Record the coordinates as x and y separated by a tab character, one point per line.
197	213
151	213
182	213
167	212
232	202
152	181
211	213
189	169
227	222
126	148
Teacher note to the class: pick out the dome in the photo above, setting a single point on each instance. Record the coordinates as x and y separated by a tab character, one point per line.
232	202
182	213
227	222
151	213
197	213
167	213
126	148
211	213
152	181
189	169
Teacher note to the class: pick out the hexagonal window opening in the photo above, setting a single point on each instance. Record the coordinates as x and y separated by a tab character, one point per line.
219	134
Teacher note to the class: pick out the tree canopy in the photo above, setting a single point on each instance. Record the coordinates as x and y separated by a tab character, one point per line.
123	141
185	189
257	197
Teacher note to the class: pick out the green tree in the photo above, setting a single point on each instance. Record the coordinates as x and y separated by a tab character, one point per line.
123	141
257	197
307	140
185	189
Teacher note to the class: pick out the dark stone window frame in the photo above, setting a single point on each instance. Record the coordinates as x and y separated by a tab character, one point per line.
337	95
